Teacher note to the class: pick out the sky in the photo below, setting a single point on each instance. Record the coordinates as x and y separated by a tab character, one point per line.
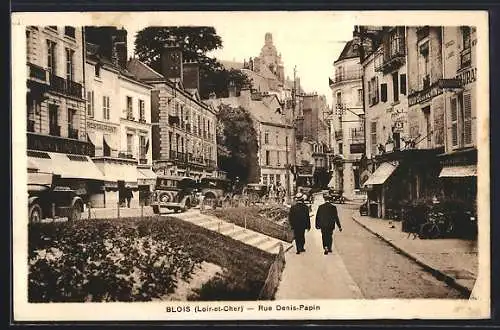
311	41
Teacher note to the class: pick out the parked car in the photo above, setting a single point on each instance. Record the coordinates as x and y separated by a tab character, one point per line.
216	190
49	201
255	191
174	193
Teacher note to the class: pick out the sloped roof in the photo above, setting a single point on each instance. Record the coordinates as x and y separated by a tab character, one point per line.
349	51
143	71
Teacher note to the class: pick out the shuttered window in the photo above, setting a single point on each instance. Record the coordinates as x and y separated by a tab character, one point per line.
373	137
402	83
383	92
467	118
454	122
376	90
90	104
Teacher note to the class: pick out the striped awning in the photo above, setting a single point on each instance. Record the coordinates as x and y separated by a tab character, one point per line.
145	176
382	173
458	171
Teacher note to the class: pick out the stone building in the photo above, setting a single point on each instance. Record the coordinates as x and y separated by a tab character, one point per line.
184	139
346	122
56	121
118	121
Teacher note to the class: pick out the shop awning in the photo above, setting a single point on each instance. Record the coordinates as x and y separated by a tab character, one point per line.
114	172
112	143
67	166
458	171
145	176
382	173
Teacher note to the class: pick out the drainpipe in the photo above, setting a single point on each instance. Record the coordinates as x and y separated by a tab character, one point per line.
445	128
84	87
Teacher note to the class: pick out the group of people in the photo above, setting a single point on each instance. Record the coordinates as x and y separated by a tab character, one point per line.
326	220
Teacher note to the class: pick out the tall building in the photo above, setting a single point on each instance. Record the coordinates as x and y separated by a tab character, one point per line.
118	119
347	122
184	137
56	118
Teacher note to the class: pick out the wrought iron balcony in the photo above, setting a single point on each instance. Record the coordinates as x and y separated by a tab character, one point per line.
74	89
347	75
66	87
38	73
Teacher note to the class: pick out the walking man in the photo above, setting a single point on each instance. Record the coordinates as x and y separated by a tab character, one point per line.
128	195
299	221
326	219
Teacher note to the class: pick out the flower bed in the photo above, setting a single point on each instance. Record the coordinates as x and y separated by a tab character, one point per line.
268	220
137	260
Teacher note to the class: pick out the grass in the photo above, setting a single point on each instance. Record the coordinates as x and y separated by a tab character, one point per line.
137	260
268	220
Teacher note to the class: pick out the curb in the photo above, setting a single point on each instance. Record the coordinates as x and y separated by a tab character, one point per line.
449	280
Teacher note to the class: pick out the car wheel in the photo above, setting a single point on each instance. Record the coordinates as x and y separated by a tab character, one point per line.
35	213
156	209
188	204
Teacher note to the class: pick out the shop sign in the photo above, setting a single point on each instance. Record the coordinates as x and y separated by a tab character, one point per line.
398	127
101	127
57	144
468	76
424	95
357	148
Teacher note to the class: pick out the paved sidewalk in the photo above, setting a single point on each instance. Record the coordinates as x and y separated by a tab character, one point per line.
313	275
453	260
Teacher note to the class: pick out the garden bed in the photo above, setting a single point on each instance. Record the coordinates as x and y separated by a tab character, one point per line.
155	258
271	220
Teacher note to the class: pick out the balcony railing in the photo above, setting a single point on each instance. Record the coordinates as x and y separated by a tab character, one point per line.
66	87
130	115
37	72
55	130
72	132
347	75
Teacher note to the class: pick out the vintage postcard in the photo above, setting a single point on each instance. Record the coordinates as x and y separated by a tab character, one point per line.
250	165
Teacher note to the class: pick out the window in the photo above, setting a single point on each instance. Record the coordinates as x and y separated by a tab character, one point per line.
397	43
130	141
465	55
129	108
69	31
341	148
278	158
454	122
373	91
90	104
395	86
54	128
106	149
360	97
97	70
423	65
383	92
105	108
466	40
142	115
339	100
51	57
467	114
373	137
267	157
266	137
69	64
72	131
402	83
170	142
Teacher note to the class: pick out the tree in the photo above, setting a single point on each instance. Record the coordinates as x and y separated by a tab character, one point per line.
237	144
196	42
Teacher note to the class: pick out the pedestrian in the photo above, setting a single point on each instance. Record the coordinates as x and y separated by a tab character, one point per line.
299	221
326	219
128	195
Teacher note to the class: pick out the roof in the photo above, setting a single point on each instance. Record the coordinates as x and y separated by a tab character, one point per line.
143	71
349	51
228	65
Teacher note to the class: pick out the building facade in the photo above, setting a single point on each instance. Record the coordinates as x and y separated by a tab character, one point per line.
56	118
346	122
184	139
119	126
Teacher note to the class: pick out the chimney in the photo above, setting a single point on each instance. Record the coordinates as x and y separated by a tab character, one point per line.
171	62
120	48
191	75
245	97
232	89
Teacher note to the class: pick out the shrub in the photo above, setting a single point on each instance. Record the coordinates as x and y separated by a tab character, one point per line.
133	260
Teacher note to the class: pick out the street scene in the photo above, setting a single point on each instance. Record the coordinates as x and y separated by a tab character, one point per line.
169	163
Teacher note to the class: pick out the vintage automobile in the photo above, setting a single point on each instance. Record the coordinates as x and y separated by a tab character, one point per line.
337	196
174	193
47	200
255	192
216	190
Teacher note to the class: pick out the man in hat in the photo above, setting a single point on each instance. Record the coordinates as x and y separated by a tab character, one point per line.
299	221
326	219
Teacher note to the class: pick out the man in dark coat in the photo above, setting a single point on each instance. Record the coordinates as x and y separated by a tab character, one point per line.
299	221
326	218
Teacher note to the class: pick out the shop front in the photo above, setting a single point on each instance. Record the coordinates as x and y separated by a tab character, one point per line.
146	181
